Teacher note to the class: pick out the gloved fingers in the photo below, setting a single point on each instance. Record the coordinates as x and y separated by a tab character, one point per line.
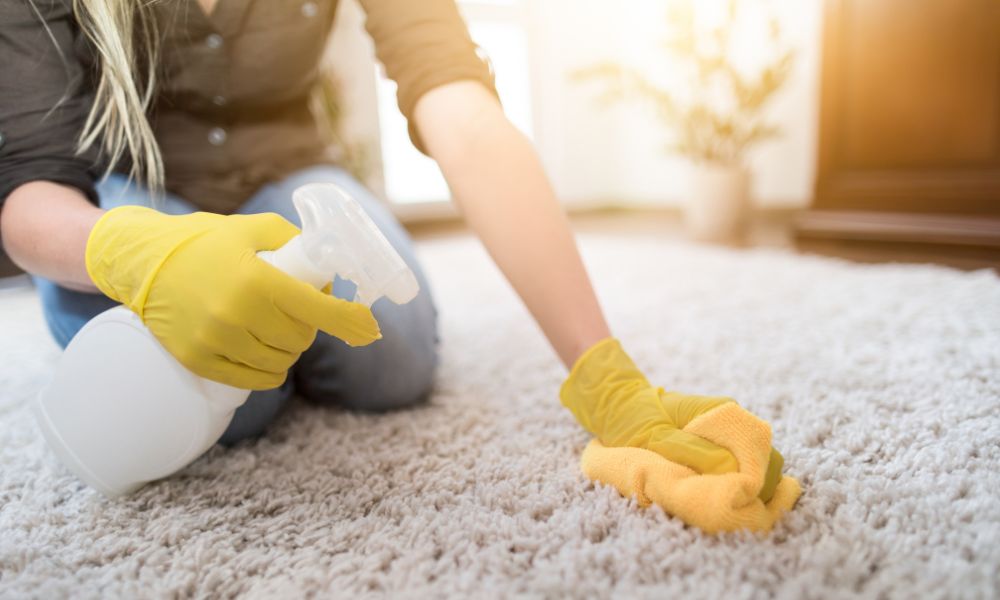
351	322
773	475
681	409
265	231
242	376
283	332
246	349
693	451
205	362
627	423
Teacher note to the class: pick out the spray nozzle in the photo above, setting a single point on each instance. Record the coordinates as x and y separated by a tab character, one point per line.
339	238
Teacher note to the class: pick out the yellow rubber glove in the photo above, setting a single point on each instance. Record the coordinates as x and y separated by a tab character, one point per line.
196	282
612	399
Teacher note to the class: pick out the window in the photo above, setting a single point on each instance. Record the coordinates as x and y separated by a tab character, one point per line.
500	27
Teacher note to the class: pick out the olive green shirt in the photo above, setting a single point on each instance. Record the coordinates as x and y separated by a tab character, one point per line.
231	111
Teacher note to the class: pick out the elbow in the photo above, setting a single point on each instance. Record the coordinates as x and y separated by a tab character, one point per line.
460	121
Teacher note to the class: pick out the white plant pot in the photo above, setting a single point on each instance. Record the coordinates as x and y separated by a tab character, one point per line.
717	202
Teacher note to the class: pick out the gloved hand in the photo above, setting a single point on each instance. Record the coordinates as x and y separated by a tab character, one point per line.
196	282
612	399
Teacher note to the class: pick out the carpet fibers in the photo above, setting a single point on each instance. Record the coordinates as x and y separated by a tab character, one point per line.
882	384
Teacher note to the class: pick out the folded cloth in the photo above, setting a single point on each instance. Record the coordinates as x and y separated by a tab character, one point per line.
714	503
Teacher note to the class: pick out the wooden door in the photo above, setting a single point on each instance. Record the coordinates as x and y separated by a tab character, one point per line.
910	124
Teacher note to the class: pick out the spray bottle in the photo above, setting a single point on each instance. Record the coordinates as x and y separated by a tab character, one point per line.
121	411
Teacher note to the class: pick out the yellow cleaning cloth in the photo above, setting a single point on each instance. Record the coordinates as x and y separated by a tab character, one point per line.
714	503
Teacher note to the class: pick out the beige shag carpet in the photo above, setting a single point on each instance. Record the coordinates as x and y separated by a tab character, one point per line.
882	384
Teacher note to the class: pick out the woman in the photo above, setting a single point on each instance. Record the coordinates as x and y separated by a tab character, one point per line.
205	103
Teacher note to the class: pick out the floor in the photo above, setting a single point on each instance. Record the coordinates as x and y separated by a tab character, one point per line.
881	382
767	229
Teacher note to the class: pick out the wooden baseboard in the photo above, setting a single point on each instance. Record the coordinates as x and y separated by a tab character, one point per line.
963	241
963	230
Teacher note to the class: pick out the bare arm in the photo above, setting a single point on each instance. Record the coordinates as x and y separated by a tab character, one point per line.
498	182
44	227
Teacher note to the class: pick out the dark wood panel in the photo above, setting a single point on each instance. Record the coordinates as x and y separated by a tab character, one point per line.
920	84
910	116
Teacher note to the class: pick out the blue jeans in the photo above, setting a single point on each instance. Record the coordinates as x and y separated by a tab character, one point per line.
395	371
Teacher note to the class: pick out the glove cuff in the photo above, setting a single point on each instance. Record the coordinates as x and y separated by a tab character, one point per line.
598	353
95	258
125	249
600	372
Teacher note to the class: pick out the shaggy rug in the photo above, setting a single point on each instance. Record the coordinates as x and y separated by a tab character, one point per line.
882	384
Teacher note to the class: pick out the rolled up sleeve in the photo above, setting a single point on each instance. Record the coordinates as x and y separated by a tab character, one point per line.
44	98
424	45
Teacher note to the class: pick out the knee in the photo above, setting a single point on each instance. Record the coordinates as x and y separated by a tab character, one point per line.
390	392
395	371
390	374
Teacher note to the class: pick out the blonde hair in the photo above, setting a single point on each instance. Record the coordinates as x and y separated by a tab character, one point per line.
124	36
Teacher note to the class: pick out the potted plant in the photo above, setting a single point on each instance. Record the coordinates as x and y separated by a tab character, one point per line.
715	113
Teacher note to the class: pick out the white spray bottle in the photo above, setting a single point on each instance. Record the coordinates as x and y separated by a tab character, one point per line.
121	411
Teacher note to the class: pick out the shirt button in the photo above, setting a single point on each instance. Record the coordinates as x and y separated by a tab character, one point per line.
217	136
219	100
214	41
310	10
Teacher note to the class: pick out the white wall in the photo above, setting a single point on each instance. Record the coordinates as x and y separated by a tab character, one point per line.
598	155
